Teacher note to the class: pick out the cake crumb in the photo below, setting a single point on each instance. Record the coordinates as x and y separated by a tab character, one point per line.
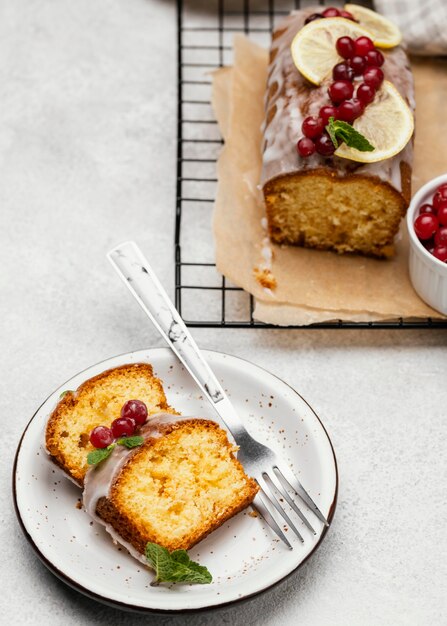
254	514
79	503
265	278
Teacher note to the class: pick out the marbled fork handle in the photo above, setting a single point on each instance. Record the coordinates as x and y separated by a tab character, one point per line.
138	275
259	461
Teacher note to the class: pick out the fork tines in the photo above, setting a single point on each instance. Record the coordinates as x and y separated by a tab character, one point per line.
279	480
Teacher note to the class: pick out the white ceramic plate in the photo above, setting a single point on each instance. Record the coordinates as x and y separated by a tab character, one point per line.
244	556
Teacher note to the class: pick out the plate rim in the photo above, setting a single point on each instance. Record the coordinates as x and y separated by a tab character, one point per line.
125	606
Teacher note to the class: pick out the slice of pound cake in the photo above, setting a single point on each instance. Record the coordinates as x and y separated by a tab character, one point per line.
179	485
98	401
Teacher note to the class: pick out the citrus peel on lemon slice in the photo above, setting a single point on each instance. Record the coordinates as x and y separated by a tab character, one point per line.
384	33
313	47
387	123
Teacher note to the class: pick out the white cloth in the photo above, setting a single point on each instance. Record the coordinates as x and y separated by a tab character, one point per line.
423	23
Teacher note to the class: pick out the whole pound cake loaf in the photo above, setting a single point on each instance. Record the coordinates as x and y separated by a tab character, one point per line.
182	483
98	401
327	202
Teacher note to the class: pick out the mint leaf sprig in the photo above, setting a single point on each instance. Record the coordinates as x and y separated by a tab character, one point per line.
175	567
343	132
101	454
131	442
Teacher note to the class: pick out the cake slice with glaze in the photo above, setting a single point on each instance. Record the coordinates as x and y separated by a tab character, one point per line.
182	483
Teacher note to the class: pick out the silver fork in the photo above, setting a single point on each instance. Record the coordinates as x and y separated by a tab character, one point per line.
263	464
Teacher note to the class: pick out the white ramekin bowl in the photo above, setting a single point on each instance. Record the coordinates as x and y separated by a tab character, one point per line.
428	274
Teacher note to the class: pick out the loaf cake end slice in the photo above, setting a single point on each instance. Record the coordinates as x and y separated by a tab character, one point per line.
321	201
320	210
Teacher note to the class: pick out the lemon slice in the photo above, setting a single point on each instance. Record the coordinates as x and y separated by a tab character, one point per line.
384	33
387	123
313	48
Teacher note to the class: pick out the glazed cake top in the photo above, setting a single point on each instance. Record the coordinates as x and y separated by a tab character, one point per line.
290	98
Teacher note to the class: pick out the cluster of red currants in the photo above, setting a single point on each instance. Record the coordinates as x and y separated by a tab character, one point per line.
431	224
330	12
360	59
133	414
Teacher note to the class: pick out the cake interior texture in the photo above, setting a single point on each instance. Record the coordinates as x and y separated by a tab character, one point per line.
98	402
176	489
346	214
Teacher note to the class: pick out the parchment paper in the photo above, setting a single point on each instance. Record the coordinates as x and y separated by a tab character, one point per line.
311	285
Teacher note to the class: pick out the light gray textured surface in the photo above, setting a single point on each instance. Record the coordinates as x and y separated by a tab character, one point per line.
87	154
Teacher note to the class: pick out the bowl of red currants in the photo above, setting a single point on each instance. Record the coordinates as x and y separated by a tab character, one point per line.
427	226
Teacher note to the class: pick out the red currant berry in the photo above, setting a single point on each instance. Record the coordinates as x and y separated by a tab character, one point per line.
350	110
123	427
345	47
327	112
441	236
373	76
358	64
305	147
441	187
313	17
440	196
374	58
365	93
425	226
427	208
101	437
331	12
442	213
363	45
324	145
342	71
440	252
312	127
340	90
136	410
347	15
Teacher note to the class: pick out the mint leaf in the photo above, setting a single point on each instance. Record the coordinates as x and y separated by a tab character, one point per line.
64	393
160	560
186	567
99	455
331	131
96	456
131	442
176	566
181	556
343	131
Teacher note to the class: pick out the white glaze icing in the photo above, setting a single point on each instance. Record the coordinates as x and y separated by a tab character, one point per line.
99	479
267	252
290	98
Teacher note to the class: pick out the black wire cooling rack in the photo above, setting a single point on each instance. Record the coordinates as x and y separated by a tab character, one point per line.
205	33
